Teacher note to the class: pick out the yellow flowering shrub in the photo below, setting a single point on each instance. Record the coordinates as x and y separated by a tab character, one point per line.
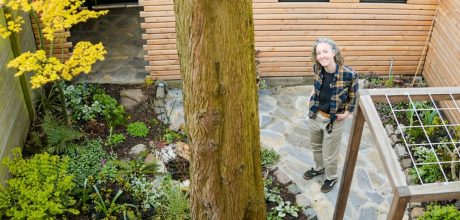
50	69
55	15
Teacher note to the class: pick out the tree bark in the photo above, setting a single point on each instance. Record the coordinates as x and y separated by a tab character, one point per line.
215	42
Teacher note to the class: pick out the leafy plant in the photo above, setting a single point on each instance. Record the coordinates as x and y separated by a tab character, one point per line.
136	168
149	193
39	188
269	157
78	99
60	137
109	208
437	212
116	139
113	113
88	161
137	129
282	208
429	173
176	204
171	136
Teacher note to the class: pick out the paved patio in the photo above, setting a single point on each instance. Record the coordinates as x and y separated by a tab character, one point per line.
284	127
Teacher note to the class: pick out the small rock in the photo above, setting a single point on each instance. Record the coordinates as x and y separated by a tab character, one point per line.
152	145
294	189
310	213
137	149
417	212
409	178
394	139
161	167
185	183
163	118
302	200
363	83
415	204
406	163
390	129
183	150
282	177
159	103
159	110
401	151
130	98
150	158
457	204
166	153
161	92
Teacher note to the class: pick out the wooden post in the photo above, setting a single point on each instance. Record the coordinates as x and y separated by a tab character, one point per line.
399	203
350	162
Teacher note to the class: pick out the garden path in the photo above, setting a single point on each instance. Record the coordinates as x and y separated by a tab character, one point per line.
284	127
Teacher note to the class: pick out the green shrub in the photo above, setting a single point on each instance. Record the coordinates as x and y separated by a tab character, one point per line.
269	157
437	212
78	99
88	162
60	137
171	136
282	208
429	173
175	203
137	129
116	139
39	188
113	113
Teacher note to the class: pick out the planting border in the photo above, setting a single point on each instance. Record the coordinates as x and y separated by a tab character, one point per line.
403	193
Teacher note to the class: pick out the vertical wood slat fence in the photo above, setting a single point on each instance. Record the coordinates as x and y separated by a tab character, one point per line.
403	193
443	57
14	118
370	35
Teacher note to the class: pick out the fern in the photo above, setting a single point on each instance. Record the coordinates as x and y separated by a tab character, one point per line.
60	137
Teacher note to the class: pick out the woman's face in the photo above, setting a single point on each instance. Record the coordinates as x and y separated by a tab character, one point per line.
325	54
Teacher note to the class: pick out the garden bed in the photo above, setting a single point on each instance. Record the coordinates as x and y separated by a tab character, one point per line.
424	141
120	163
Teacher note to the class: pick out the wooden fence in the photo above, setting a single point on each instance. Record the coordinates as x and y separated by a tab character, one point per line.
443	57
369	34
14	116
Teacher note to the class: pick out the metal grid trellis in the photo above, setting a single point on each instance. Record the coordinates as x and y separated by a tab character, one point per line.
443	188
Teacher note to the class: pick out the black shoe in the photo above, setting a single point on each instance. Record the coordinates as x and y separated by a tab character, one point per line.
312	173
328	185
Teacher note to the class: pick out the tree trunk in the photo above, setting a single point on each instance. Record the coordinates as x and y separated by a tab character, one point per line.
215	41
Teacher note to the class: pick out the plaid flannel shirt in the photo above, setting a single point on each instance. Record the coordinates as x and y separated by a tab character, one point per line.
344	89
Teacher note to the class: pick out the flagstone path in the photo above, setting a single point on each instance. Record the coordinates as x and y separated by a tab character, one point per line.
284	127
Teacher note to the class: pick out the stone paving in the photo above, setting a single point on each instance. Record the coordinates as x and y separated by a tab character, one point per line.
284	127
121	34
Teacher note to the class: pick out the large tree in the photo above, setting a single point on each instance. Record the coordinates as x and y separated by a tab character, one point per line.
215	41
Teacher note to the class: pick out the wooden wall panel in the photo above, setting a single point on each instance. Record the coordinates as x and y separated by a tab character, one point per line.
370	35
443	57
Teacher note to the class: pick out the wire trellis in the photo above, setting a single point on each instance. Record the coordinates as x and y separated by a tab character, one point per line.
428	142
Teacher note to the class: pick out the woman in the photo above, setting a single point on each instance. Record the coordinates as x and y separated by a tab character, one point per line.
332	101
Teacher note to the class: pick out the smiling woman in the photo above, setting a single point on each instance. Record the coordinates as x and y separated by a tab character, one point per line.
333	98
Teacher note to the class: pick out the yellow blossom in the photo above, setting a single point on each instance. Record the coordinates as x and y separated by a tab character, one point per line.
55	15
51	69
84	56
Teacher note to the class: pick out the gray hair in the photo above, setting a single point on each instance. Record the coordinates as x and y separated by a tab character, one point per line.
338	56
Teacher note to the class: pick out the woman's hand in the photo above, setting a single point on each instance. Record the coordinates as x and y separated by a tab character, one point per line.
343	116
